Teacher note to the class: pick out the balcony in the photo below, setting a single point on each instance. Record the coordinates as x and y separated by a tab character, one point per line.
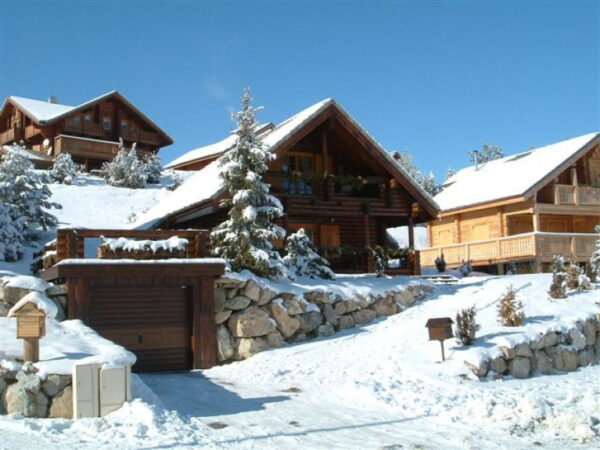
85	128
85	148
143	137
7	136
527	246
565	194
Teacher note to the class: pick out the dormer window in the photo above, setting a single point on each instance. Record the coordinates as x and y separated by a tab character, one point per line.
106	123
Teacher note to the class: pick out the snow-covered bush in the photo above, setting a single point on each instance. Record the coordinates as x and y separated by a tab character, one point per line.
465	268
244	239
577	280
440	263
11	238
152	167
558	287
64	170
23	191
512	268
594	263
466	326
125	170
510	310
302	260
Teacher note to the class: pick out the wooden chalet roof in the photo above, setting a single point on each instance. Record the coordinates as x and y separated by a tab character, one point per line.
199	191
516	176
46	113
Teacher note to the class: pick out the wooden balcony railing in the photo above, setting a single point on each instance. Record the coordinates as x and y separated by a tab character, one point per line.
144	137
86	128
576	246
565	194
87	148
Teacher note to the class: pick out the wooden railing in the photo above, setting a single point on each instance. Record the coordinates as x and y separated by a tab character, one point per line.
70	242
576	246
566	194
144	137
87	128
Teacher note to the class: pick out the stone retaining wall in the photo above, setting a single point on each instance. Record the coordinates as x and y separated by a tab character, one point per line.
251	318
24	392
9	296
553	351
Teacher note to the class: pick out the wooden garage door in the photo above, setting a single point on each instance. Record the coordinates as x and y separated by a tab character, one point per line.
154	322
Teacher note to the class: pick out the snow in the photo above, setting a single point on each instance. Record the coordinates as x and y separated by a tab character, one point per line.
66	343
172	244
399	236
27	282
507	177
38	299
176	261
26	153
373	386
41	110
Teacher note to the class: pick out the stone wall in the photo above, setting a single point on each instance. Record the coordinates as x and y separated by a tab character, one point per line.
9	296
251	318
553	351
24	392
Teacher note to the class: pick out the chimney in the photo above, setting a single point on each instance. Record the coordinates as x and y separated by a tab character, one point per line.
475	157
52	99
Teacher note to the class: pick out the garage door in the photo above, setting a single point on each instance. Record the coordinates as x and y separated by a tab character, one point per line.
154	322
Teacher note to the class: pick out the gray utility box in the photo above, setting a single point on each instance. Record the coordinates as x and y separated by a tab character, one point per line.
98	390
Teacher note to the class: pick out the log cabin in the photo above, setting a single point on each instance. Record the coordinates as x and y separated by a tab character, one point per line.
90	132
332	178
523	208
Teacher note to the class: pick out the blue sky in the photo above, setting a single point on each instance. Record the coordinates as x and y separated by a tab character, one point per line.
435	78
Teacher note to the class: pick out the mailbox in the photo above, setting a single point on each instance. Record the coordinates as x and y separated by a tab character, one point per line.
440	329
31	322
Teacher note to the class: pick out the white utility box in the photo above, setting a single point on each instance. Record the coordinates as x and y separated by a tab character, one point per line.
98	390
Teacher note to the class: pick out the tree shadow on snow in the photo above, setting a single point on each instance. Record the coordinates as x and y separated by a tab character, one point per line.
191	394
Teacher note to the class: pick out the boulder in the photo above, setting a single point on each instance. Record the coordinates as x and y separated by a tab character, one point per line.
480	369
385	306
364	316
225	348
62	404
246	347
576	338
252	290
54	383
346	322
325	330
519	367
238	303
220	299
19	400
266	295
310	321
317	296
507	352
330	315
549	339
405	297
589	330
294	306
563	358
286	325
29	381
498	365
363	302
13	294
222	316
346	306
286	295
56	290
275	340
543	363
251	322
523	350
232	292
586	357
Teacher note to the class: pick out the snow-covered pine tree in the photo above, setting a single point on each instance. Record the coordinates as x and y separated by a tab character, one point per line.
510	309
558	287
577	279
244	239
11	237
426	181
595	260
152	167
64	170
302	260
487	153
450	172
125	170
23	190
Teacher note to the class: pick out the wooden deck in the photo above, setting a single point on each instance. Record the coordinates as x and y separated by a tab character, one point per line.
520	247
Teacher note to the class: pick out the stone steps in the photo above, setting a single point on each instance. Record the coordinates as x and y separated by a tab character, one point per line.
440	279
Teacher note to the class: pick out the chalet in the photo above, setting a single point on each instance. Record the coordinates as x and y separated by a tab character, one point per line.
333	179
90	132
523	208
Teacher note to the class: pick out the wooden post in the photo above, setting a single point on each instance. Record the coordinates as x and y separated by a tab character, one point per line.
411	231
324	152
31	349
443	354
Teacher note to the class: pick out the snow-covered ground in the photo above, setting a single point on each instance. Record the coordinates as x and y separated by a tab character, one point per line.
370	387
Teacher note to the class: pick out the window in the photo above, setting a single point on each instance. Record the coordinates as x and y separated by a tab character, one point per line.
87	118
77	121
297	172
106	123
123	125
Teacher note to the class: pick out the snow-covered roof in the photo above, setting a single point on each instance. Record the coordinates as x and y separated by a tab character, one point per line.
205	184
31	155
508	177
38	299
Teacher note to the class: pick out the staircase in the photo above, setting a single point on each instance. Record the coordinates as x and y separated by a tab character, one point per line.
440	279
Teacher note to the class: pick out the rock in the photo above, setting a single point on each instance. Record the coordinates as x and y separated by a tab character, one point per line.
251	322
246	347
232	292
543	363
317	296
346	322
363	302
523	350
405	297
225	348
4	309
275	340
222	316
62	404
385	306
576	339
310	321
509	353
563	358
266	295
345	306
13	294
54	383
364	316
498	365
519	367
330	315
586	357
252	290
294	306
27	403
220	299
56	290
29	381
287	295
325	330
549	339
238	303
480	369
589	330
286	325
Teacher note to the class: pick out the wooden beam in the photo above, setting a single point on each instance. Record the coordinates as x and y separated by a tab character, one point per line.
324	152
366	230
207	330
411	231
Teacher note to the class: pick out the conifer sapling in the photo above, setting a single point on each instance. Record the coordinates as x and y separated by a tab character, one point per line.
466	326
558	287
510	309
302	260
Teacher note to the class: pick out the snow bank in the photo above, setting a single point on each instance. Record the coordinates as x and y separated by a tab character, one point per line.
172	244
39	300
28	282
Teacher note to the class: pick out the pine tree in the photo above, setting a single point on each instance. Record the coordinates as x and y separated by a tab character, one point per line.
152	167
125	170
302	260
577	280
487	153
450	172
426	181
594	263
22	189
558	288
11	237
64	170
510	310
244	240
466	326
